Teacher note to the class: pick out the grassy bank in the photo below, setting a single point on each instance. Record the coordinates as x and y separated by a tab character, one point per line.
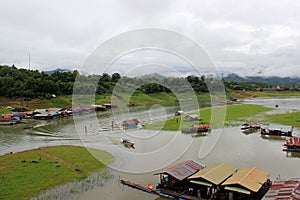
290	119
233	112
167	99
263	94
26	174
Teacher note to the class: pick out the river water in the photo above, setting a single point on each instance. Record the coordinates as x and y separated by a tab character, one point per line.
154	150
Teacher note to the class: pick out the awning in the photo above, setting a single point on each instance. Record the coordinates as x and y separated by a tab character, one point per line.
201	183
237	189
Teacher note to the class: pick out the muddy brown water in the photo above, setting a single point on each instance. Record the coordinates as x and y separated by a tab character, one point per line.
155	150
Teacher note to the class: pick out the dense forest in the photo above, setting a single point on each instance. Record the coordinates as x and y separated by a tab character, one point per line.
29	84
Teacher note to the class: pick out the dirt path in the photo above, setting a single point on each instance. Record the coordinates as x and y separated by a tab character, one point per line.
61	161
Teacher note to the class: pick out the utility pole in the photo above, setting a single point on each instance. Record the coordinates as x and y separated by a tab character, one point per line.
29	61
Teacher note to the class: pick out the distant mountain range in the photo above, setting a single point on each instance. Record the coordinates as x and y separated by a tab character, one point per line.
153	75
274	80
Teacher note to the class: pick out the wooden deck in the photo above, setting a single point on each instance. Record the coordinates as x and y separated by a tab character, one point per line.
139	187
162	193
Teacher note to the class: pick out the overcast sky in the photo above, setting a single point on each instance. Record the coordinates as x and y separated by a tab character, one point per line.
249	37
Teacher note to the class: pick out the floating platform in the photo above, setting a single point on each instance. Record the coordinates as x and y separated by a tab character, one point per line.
163	193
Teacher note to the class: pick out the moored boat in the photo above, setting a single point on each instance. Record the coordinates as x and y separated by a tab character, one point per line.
127	142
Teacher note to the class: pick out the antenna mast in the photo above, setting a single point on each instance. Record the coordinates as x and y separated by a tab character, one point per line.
29	61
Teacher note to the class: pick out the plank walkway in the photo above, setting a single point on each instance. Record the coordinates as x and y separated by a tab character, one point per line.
162	193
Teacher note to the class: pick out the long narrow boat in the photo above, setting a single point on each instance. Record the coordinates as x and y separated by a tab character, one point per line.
127	142
7	122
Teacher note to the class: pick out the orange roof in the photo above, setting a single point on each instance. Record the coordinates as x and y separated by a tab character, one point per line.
250	178
201	125
131	121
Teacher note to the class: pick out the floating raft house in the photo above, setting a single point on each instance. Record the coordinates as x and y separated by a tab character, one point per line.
292	145
284	190
277	130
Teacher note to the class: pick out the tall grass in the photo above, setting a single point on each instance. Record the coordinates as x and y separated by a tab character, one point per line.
290	119
221	114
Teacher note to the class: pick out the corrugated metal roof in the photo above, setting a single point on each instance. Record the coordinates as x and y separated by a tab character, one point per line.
293	141
182	170
131	121
250	178
201	125
284	189
279	127
215	173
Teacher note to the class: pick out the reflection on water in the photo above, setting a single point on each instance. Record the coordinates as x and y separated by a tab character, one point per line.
155	150
293	154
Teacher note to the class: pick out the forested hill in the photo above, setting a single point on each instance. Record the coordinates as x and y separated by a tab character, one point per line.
287	81
16	82
29	84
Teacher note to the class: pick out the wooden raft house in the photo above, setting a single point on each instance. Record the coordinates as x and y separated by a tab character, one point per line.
247	183
190	180
190	118
277	130
292	145
284	190
9	119
130	123
175	177
210	179
197	128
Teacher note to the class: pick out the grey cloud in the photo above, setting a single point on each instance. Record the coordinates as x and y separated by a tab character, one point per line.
240	36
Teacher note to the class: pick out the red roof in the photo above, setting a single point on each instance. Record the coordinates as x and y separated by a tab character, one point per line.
182	170
131	121
202	125
293	141
284	190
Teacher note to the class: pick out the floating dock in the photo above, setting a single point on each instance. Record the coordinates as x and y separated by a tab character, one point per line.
163	193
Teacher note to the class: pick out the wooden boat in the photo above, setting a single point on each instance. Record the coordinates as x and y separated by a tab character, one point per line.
7	122
127	142
252	126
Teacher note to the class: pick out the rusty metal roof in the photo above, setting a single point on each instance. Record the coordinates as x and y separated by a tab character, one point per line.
250	178
284	190
131	121
293	141
182	170
215	173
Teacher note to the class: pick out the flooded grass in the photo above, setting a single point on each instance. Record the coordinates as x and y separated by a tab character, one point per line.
73	189
233	113
26	174
290	119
